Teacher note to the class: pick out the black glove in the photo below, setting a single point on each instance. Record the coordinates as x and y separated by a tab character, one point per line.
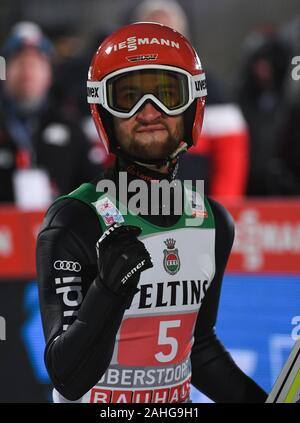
122	258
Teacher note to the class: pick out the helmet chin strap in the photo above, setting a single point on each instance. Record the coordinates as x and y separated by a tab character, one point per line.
179	150
171	161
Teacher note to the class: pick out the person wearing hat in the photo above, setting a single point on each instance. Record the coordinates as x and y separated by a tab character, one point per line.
40	147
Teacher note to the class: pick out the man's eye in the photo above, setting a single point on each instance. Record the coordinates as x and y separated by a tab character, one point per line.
132	96
169	96
168	93
129	97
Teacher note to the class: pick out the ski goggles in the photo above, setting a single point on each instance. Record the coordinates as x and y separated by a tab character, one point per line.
123	92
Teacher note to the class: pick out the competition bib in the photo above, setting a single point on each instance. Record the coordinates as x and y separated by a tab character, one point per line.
151	358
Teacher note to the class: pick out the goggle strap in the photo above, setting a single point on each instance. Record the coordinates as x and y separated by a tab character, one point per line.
199	85
94	92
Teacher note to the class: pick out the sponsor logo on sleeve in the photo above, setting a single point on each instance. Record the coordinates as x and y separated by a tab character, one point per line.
132	271
71	266
71	290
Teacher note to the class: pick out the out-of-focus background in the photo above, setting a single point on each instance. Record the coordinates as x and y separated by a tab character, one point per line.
248	156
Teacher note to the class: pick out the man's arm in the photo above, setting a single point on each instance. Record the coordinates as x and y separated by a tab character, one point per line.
80	315
213	371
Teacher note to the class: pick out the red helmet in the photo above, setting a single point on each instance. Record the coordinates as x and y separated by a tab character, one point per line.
133	51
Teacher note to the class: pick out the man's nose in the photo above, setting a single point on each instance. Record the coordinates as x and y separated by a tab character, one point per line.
148	112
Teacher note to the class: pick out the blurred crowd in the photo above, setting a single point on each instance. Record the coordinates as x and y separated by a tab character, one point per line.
250	143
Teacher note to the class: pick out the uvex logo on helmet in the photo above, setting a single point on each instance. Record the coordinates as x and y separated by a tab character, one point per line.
132	43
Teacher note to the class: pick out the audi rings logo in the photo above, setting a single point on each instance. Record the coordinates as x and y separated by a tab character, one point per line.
72	266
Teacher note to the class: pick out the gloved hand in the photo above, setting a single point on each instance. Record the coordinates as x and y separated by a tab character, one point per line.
122	258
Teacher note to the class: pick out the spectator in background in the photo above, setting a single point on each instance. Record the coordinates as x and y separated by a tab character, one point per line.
287	176
43	153
261	97
289	34
288	164
221	156
70	67
72	61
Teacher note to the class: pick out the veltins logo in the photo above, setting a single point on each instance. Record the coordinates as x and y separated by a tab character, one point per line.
2	68
171	257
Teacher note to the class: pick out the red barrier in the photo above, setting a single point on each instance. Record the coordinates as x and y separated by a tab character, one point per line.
267	238
18	231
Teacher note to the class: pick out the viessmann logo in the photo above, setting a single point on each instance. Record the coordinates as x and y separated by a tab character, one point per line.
72	266
132	43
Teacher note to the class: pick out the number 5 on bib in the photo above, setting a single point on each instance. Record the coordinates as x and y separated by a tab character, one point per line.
155	340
